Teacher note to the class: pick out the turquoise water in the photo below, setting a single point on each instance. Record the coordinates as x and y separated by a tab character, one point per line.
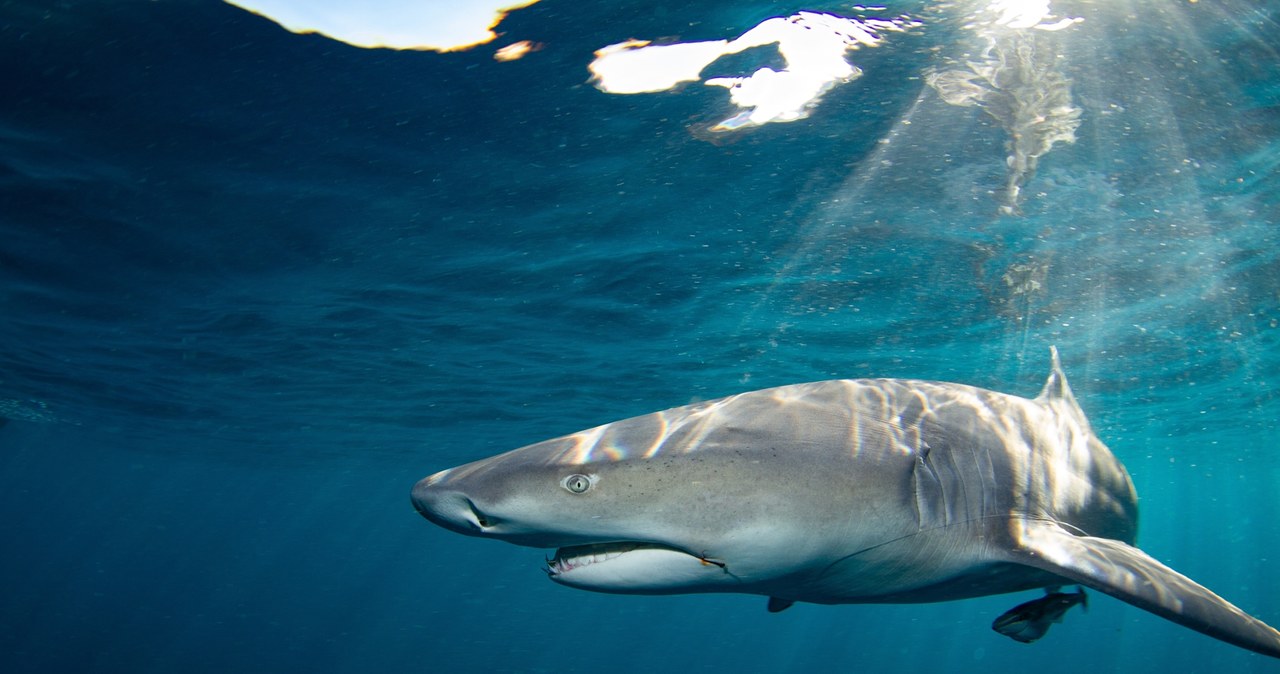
255	285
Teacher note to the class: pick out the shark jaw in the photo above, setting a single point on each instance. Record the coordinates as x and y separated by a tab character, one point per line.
635	567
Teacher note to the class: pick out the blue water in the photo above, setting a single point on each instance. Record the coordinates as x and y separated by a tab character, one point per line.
254	285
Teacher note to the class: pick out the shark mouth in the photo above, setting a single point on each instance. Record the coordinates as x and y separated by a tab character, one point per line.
579	557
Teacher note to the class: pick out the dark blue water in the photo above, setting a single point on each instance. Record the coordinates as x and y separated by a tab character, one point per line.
255	284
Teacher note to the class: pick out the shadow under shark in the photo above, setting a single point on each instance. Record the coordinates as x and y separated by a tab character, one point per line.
845	491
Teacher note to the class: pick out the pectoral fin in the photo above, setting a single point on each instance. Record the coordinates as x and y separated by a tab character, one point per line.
1029	621
1130	575
776	605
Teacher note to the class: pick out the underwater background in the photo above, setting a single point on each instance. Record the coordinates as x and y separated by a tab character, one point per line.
254	285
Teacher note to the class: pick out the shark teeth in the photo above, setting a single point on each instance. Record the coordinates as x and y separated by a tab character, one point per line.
576	557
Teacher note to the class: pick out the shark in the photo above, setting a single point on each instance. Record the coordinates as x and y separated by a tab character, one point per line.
851	491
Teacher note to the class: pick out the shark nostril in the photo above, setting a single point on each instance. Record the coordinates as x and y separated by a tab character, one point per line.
482	520
448	508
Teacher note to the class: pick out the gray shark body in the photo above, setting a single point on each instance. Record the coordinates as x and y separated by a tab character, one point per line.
846	491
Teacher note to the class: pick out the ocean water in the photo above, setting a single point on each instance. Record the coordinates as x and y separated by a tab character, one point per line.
254	284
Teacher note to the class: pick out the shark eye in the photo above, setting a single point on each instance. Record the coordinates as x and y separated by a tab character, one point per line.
576	483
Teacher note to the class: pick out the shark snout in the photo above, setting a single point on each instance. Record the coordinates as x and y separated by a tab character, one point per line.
447	507
423	497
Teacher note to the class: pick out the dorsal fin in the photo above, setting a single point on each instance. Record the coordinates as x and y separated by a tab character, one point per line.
1056	386
1057	392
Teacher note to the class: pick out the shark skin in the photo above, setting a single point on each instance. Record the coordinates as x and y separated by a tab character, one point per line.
835	492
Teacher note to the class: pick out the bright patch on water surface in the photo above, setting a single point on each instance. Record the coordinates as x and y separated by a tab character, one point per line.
437	25
812	44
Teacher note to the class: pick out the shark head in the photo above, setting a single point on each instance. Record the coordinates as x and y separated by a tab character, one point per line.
606	538
702	498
